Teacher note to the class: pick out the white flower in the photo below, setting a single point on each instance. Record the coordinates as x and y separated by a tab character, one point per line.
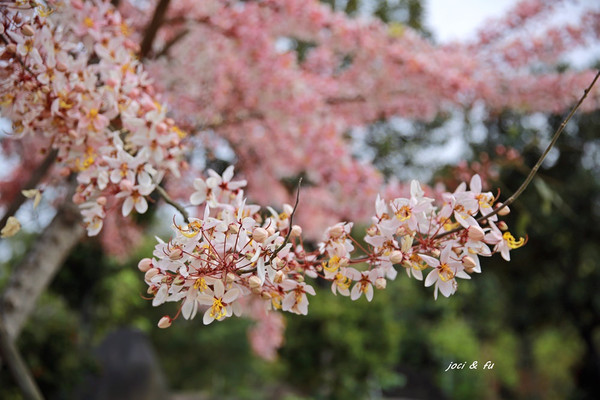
444	271
295	299
219	300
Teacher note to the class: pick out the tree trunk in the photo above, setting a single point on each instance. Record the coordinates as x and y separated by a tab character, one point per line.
34	274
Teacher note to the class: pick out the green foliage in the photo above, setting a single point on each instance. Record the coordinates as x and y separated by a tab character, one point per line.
556	352
342	349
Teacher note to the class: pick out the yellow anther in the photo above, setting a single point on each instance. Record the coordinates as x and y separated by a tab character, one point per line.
179	132
342	281
7	99
191	230
448	226
88	22
445	272
404	213
332	265
512	242
125	29
200	284
276	301
217	310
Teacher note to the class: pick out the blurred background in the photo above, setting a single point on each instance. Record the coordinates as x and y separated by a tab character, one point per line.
537	318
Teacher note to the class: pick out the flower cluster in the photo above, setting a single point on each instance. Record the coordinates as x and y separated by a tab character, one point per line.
80	89
237	250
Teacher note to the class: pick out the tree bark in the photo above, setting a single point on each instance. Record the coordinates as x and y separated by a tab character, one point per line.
34	274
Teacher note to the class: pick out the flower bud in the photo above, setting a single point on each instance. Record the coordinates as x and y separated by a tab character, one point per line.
78	198
502	226
436	253
145	264
475	233
254	282
296	231
27	30
260	235
230	278
164	322
279	263
336	231
396	257
175	254
401	231
265	295
504	211
101	201
11	48
299	278
152	290
469	264
61	67
161	127
380	283
372	230
152	272
179	280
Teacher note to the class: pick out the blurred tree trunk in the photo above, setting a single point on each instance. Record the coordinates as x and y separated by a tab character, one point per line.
33	275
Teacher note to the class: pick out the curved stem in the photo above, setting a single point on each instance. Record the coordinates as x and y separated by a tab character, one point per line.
162	192
287	237
537	165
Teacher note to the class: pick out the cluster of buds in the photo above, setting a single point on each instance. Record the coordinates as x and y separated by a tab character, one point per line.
237	250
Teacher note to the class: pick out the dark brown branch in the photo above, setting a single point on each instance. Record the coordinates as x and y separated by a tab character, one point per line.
152	29
345	100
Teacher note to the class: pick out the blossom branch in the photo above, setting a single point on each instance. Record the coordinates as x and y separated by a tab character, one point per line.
537	165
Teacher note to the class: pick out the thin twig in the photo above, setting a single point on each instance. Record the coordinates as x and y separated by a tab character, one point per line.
172	202
287	237
537	165
172	42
